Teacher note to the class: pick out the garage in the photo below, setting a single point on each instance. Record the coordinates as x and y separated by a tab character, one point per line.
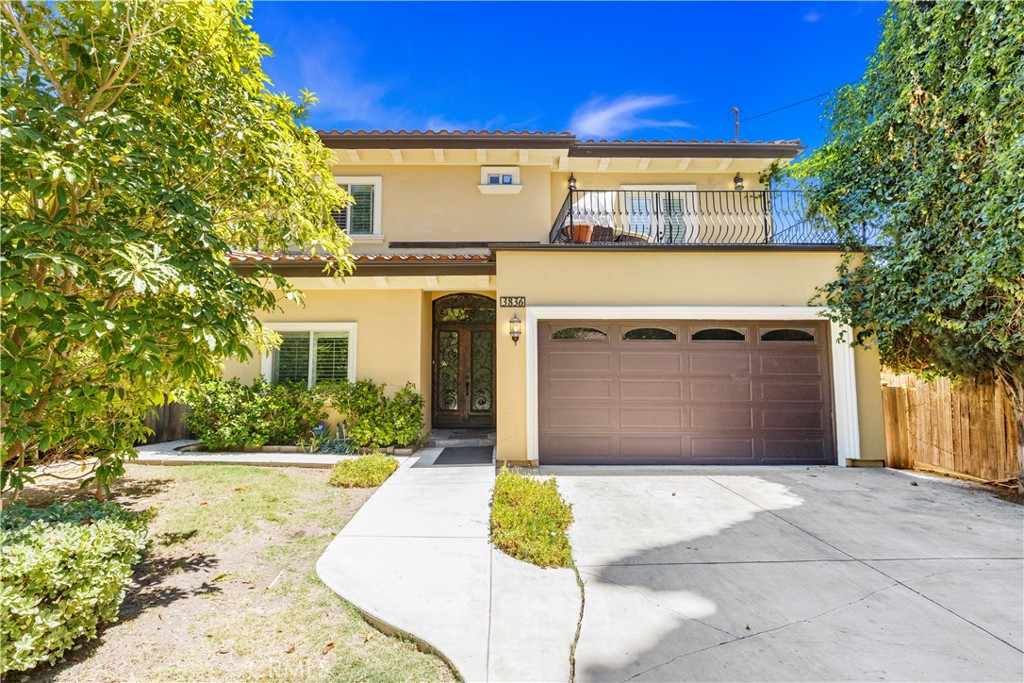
684	392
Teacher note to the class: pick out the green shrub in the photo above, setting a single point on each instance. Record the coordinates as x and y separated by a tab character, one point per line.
405	414
228	414
529	519
373	419
63	574
365	471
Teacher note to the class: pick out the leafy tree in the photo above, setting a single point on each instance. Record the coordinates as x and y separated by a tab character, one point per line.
140	144
928	149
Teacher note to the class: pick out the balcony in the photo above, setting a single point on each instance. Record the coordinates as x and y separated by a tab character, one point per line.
690	217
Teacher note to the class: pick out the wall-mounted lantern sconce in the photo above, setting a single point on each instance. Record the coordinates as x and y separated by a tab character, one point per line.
738	181
572	183
515	328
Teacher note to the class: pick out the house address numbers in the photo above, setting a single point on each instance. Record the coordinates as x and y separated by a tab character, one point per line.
513	302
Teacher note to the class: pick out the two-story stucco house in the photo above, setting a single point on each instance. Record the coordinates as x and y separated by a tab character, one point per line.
594	302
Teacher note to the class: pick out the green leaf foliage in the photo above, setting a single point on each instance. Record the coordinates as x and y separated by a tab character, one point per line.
929	148
228	414
63	574
140	143
529	519
373	418
366	471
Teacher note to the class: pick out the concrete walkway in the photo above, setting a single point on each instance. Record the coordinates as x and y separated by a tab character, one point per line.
794	574
416	558
166	453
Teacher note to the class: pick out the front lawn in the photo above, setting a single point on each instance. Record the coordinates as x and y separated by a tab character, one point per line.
229	591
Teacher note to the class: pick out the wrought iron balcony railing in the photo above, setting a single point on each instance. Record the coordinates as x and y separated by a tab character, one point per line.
677	217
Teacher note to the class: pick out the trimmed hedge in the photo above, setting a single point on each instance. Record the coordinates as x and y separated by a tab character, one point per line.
63	574
366	471
228	414
529	520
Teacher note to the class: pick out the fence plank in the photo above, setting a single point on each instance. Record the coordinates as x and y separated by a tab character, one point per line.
167	421
966	428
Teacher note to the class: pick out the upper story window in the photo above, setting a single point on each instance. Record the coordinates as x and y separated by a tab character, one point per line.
499	180
362	218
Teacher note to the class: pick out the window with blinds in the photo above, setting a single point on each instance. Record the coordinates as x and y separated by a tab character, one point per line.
331	362
291	360
357	218
311	357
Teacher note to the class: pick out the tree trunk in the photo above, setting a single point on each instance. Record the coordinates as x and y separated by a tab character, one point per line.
1014	386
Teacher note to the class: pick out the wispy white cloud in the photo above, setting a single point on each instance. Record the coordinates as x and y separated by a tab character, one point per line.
344	97
812	17
328	60
599	117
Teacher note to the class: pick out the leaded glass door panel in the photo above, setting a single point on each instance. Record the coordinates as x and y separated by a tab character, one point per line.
463	393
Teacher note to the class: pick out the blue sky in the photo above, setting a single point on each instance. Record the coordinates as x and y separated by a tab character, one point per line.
652	71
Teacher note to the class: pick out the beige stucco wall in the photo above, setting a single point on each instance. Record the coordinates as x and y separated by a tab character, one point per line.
390	345
442	203
650	279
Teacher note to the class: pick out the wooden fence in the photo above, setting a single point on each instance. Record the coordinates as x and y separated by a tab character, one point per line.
167	422
963	428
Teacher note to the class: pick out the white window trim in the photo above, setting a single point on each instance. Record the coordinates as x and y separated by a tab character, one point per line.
267	360
487	188
844	379
378	184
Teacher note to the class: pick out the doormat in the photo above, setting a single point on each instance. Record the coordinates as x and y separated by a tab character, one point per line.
465	455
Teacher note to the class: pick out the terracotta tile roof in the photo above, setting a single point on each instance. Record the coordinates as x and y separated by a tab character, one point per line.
252	257
450	133
536	133
690	142
510	139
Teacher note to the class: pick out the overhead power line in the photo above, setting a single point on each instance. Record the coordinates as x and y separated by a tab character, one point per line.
794	104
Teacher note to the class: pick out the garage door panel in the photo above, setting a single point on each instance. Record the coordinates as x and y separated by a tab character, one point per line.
721	418
797	450
651	389
669	363
652	417
792	418
704	447
790	365
639	401
717	391
580	445
566	388
650	446
581	416
811	392
729	364
576	361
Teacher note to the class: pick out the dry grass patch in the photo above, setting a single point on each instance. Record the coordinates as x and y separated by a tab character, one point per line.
229	590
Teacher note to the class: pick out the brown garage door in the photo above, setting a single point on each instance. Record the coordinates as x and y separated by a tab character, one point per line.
685	392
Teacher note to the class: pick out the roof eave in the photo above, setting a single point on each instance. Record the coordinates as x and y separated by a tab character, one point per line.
715	150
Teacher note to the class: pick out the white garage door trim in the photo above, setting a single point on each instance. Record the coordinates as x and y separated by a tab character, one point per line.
844	380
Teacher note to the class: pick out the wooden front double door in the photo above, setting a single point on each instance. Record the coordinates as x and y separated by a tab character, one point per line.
463	359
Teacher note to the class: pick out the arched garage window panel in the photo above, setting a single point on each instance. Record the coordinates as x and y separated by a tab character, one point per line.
649	334
787	335
718	334
464	308
579	334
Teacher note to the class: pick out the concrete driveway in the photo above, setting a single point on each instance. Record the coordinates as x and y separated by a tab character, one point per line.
793	574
